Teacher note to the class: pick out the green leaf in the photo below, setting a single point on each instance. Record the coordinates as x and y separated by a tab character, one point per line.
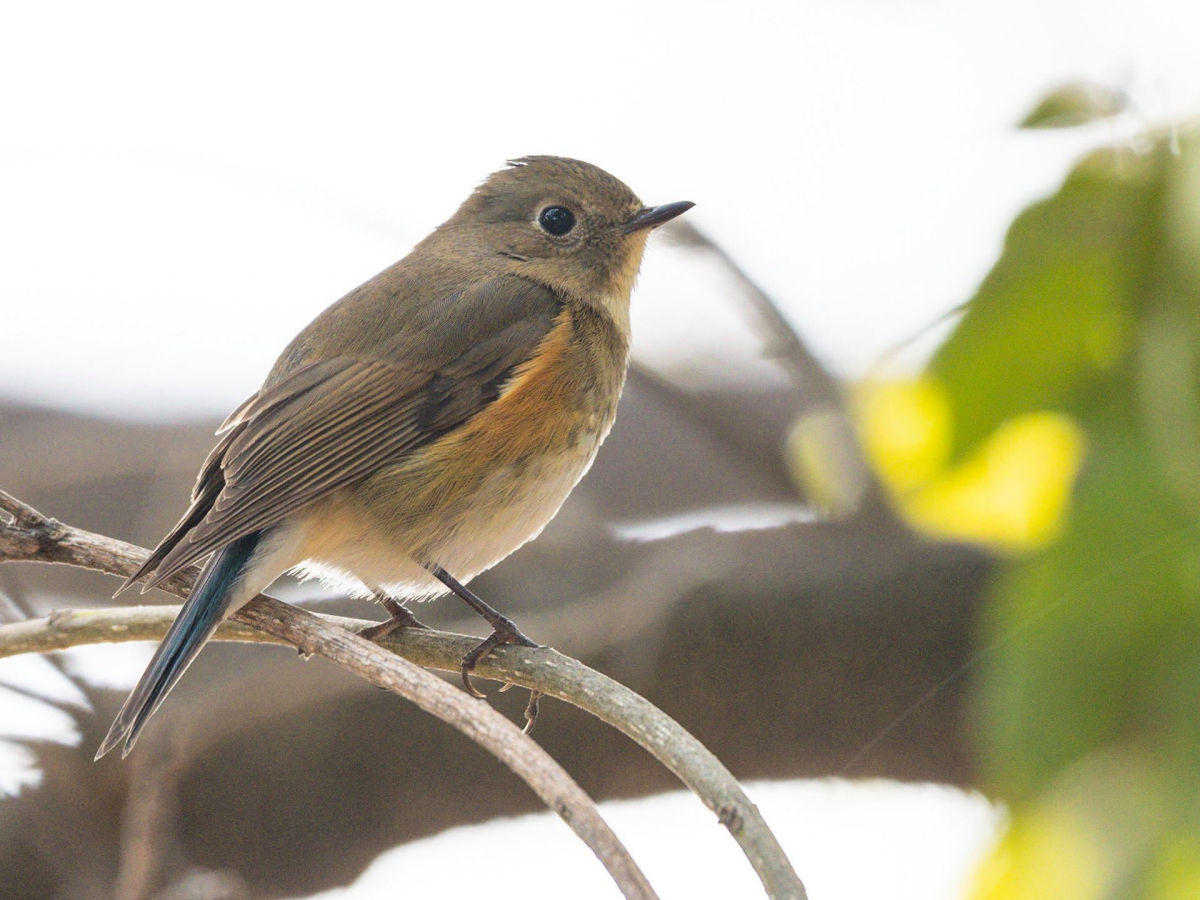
1090	649
1078	630
1051	323
1075	104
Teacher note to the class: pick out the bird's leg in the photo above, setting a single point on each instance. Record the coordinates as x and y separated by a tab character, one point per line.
503	629
401	618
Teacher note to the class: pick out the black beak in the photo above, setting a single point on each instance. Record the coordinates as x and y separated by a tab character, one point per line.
653	216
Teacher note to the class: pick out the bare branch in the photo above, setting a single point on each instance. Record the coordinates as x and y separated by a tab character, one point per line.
34	537
536	668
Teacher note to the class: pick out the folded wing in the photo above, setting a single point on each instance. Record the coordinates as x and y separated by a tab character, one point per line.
331	422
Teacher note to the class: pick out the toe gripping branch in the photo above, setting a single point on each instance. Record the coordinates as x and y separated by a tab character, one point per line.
504	631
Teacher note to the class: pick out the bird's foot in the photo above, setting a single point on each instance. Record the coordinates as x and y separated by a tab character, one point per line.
503	632
401	618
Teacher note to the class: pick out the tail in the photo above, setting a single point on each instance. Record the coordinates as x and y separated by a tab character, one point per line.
204	609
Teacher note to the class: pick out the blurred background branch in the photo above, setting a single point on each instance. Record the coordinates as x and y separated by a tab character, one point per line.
32	537
851	620
1009	605
827	462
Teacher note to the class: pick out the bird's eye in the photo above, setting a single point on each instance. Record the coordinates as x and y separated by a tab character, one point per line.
556	220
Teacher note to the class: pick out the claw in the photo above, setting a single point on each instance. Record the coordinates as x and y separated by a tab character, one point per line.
504	632
531	711
471	689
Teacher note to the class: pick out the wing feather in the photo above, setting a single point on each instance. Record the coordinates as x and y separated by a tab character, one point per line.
330	423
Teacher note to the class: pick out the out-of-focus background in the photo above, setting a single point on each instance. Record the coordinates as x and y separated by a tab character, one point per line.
881	540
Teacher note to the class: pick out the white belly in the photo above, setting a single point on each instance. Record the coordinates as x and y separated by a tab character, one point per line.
349	552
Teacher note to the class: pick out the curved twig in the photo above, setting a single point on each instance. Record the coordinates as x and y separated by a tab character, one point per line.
267	620
32	536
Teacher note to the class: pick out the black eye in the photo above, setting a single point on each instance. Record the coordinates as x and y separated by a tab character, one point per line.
556	220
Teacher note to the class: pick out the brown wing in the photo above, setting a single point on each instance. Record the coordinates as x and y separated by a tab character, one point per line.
332	422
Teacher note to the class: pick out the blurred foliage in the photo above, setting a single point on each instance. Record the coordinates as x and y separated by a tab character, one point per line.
1075	104
1009	493
1078	362
818	454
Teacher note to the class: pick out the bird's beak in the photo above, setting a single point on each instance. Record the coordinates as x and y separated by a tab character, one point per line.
653	216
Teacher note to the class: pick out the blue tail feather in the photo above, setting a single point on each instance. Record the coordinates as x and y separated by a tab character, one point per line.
204	609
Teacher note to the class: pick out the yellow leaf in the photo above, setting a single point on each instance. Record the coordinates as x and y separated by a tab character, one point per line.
815	450
905	430
1012	492
1048	855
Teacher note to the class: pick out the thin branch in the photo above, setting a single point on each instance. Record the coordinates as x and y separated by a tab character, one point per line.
34	537
541	669
783	343
816	386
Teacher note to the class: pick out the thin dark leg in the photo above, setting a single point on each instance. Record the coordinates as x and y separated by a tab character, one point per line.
401	618
503	629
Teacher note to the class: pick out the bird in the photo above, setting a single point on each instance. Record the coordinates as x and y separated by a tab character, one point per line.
425	425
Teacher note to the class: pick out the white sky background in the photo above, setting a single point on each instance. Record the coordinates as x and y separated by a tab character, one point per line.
183	188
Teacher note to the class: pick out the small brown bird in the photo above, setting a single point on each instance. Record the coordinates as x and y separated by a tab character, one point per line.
427	424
